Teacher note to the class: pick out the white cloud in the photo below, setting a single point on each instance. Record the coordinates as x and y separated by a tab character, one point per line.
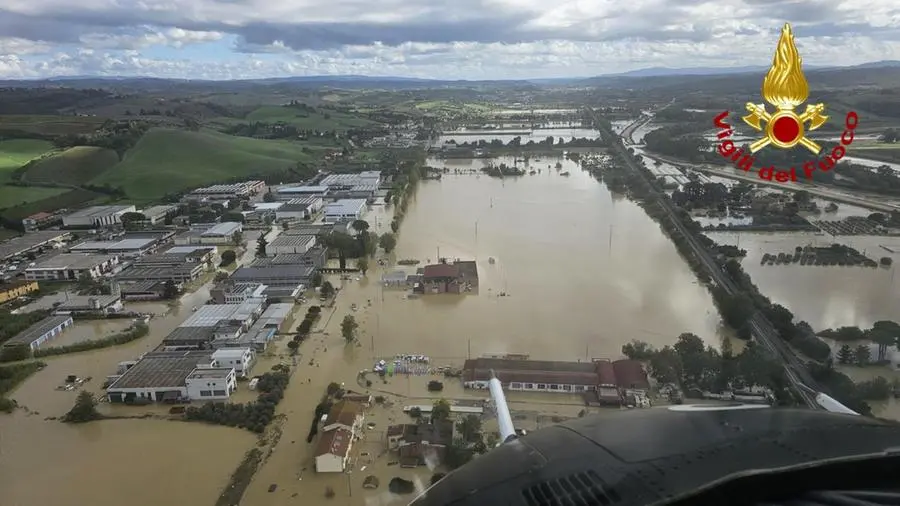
464	39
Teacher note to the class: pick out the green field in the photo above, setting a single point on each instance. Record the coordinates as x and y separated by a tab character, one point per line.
11	196
51	125
15	153
320	120
60	198
74	166
168	160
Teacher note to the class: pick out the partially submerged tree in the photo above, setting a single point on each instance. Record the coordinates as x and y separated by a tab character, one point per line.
84	410
348	328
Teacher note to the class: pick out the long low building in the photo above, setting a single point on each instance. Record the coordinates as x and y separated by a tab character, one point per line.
162	376
181	274
345	210
97	216
72	266
555	376
40	332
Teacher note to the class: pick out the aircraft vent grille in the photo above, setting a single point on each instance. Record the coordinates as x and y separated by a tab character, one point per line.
579	489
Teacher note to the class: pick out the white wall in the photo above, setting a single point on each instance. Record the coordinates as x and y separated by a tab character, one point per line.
329	463
150	393
218	388
241	359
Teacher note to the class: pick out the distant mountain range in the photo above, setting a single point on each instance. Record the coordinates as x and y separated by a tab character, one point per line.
362	81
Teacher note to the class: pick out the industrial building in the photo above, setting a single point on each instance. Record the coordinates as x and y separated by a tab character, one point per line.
31	242
227	191
602	378
287	244
347	181
156	215
14	290
299	208
97	216
145	290
161	376
240	359
72	266
287	193
241	315
181	274
230	292
221	233
40	332
123	247
345	210
189	338
282	276
90	304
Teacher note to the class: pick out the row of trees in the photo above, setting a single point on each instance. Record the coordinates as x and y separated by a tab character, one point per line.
254	416
305	327
10	377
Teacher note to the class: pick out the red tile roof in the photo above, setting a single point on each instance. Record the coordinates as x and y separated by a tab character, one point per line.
344	413
334	442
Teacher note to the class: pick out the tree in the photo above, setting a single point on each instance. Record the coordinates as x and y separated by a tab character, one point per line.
884	333
666	366
269	197
237	238
362	233
293	345
441	410
845	355
638	350
84	410
348	328
362	263
316	279
327	289
415	412
228	257
387	242
170	290
469	428
261	244
862	355
285	225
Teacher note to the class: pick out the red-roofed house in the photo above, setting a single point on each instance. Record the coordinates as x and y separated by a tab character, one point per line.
333	451
441	278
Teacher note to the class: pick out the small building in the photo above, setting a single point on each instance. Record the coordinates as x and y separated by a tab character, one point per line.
15	289
241	315
630	374
211	383
194	254
333	451
90	304
458	277
72	266
240	359
40	220
287	244
158	376
40	332
277	316
276	275
346	209
419	443
97	216
345	415
222	233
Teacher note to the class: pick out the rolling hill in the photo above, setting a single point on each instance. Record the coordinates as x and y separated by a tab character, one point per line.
169	160
319	120
74	166
15	153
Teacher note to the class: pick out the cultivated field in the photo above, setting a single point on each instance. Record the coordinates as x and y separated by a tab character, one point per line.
11	196
320	120
169	160
74	166
15	153
51	125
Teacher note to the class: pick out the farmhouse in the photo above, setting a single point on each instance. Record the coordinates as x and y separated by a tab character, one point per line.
418	443
458	277
333	451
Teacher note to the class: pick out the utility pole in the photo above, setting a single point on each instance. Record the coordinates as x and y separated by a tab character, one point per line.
468	349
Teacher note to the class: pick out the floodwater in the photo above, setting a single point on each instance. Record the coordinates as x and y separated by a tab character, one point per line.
536	135
826	297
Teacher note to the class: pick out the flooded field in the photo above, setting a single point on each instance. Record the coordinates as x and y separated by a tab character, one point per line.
825	297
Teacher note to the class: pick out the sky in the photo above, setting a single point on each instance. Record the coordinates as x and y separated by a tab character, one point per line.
438	39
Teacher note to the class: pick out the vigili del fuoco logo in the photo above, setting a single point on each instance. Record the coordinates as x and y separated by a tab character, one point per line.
784	88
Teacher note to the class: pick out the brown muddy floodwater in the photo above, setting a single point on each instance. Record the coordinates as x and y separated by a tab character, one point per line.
136	462
585	271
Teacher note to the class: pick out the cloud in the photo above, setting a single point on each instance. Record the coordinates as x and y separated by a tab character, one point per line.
434	38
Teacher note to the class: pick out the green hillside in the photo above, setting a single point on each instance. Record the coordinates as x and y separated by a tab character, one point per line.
74	166
302	118
11	196
50	124
168	160
15	153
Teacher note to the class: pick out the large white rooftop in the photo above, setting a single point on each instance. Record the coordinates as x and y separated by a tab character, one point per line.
345	207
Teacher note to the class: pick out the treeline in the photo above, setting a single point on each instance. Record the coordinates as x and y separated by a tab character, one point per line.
516	142
119	136
11	376
696	367
29	101
736	309
137	331
406	180
254	416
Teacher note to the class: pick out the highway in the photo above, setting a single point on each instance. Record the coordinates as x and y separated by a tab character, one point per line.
761	328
